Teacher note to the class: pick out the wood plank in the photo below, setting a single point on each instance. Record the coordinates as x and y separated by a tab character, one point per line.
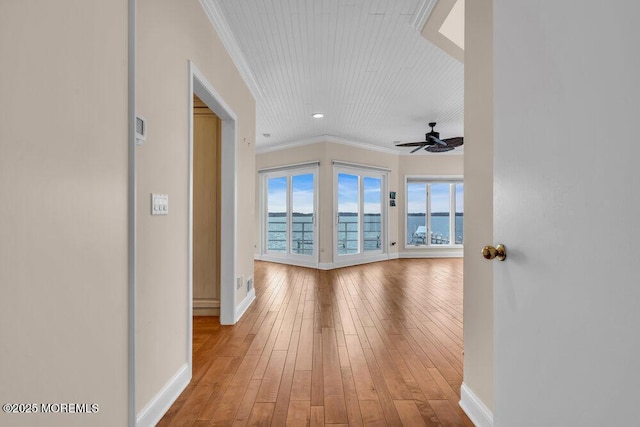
271	382
299	413
409	413
261	414
301	386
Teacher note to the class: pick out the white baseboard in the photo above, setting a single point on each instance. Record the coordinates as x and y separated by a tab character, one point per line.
160	404
244	305
358	261
477	412
206	303
288	261
441	253
325	266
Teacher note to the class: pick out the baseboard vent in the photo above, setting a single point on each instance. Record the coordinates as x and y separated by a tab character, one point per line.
249	283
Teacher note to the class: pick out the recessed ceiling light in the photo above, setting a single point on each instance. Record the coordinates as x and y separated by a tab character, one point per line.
317	115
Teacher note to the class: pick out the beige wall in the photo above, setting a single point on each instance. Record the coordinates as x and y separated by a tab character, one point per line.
326	152
478	216
169	34
63	221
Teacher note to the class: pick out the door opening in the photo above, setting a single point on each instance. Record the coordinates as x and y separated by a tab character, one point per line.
206	210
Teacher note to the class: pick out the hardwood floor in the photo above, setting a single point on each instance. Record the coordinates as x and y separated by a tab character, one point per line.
377	344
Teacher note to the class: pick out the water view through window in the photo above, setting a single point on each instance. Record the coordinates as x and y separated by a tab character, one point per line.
359	216
435	212
290	214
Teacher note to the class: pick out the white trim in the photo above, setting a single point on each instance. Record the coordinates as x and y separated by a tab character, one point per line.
362	171
327	138
289	172
434	253
360	166
244	305
305	165
161	402
477	411
220	25
435	178
422	14
359	261
206	303
325	266
200	86
290	261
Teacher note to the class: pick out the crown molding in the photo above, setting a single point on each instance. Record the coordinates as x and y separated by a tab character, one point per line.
327	138
220	25
422	14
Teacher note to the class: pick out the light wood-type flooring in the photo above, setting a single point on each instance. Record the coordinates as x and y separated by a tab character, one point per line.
376	344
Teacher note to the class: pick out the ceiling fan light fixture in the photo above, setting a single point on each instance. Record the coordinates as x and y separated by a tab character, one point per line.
317	115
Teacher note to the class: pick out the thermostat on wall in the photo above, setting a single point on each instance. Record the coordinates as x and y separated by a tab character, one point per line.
141	130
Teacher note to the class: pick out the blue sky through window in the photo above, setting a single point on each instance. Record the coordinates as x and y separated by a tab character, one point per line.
302	193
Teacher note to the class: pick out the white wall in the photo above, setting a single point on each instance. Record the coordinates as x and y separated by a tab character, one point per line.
399	165
169	34
63	221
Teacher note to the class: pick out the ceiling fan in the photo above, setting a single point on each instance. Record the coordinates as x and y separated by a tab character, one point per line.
433	143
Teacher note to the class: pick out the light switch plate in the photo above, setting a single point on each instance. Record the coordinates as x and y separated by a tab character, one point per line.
159	204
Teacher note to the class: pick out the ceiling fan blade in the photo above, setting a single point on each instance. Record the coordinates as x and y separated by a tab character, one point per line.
416	149
437	141
454	142
411	144
438	149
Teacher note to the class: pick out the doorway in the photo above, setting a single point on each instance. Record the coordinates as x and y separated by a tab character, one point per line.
206	210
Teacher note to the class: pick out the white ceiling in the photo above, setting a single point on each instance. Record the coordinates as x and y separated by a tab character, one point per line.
363	63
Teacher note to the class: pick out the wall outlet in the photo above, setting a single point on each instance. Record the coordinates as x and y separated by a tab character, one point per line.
239	282
249	283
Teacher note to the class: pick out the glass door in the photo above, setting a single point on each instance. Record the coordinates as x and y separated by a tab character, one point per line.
290	216
277	213
359	217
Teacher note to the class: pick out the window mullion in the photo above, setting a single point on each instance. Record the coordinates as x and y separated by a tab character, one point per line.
427	236
452	214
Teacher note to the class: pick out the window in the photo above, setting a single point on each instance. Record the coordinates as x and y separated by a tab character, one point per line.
289	214
435	212
360	214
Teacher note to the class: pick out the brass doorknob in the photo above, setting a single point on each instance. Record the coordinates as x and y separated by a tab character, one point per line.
500	252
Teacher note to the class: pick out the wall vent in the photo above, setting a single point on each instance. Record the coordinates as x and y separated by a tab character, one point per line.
239	282
249	283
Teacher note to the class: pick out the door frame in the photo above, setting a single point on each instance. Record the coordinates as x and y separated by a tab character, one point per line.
199	85
289	171
361	171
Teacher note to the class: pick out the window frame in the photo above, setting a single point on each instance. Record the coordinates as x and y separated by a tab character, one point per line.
362	172
288	172
452	180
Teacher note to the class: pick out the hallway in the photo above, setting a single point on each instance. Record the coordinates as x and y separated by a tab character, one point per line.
376	344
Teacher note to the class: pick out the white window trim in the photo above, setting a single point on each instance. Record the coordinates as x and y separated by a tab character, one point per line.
289	171
361	171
